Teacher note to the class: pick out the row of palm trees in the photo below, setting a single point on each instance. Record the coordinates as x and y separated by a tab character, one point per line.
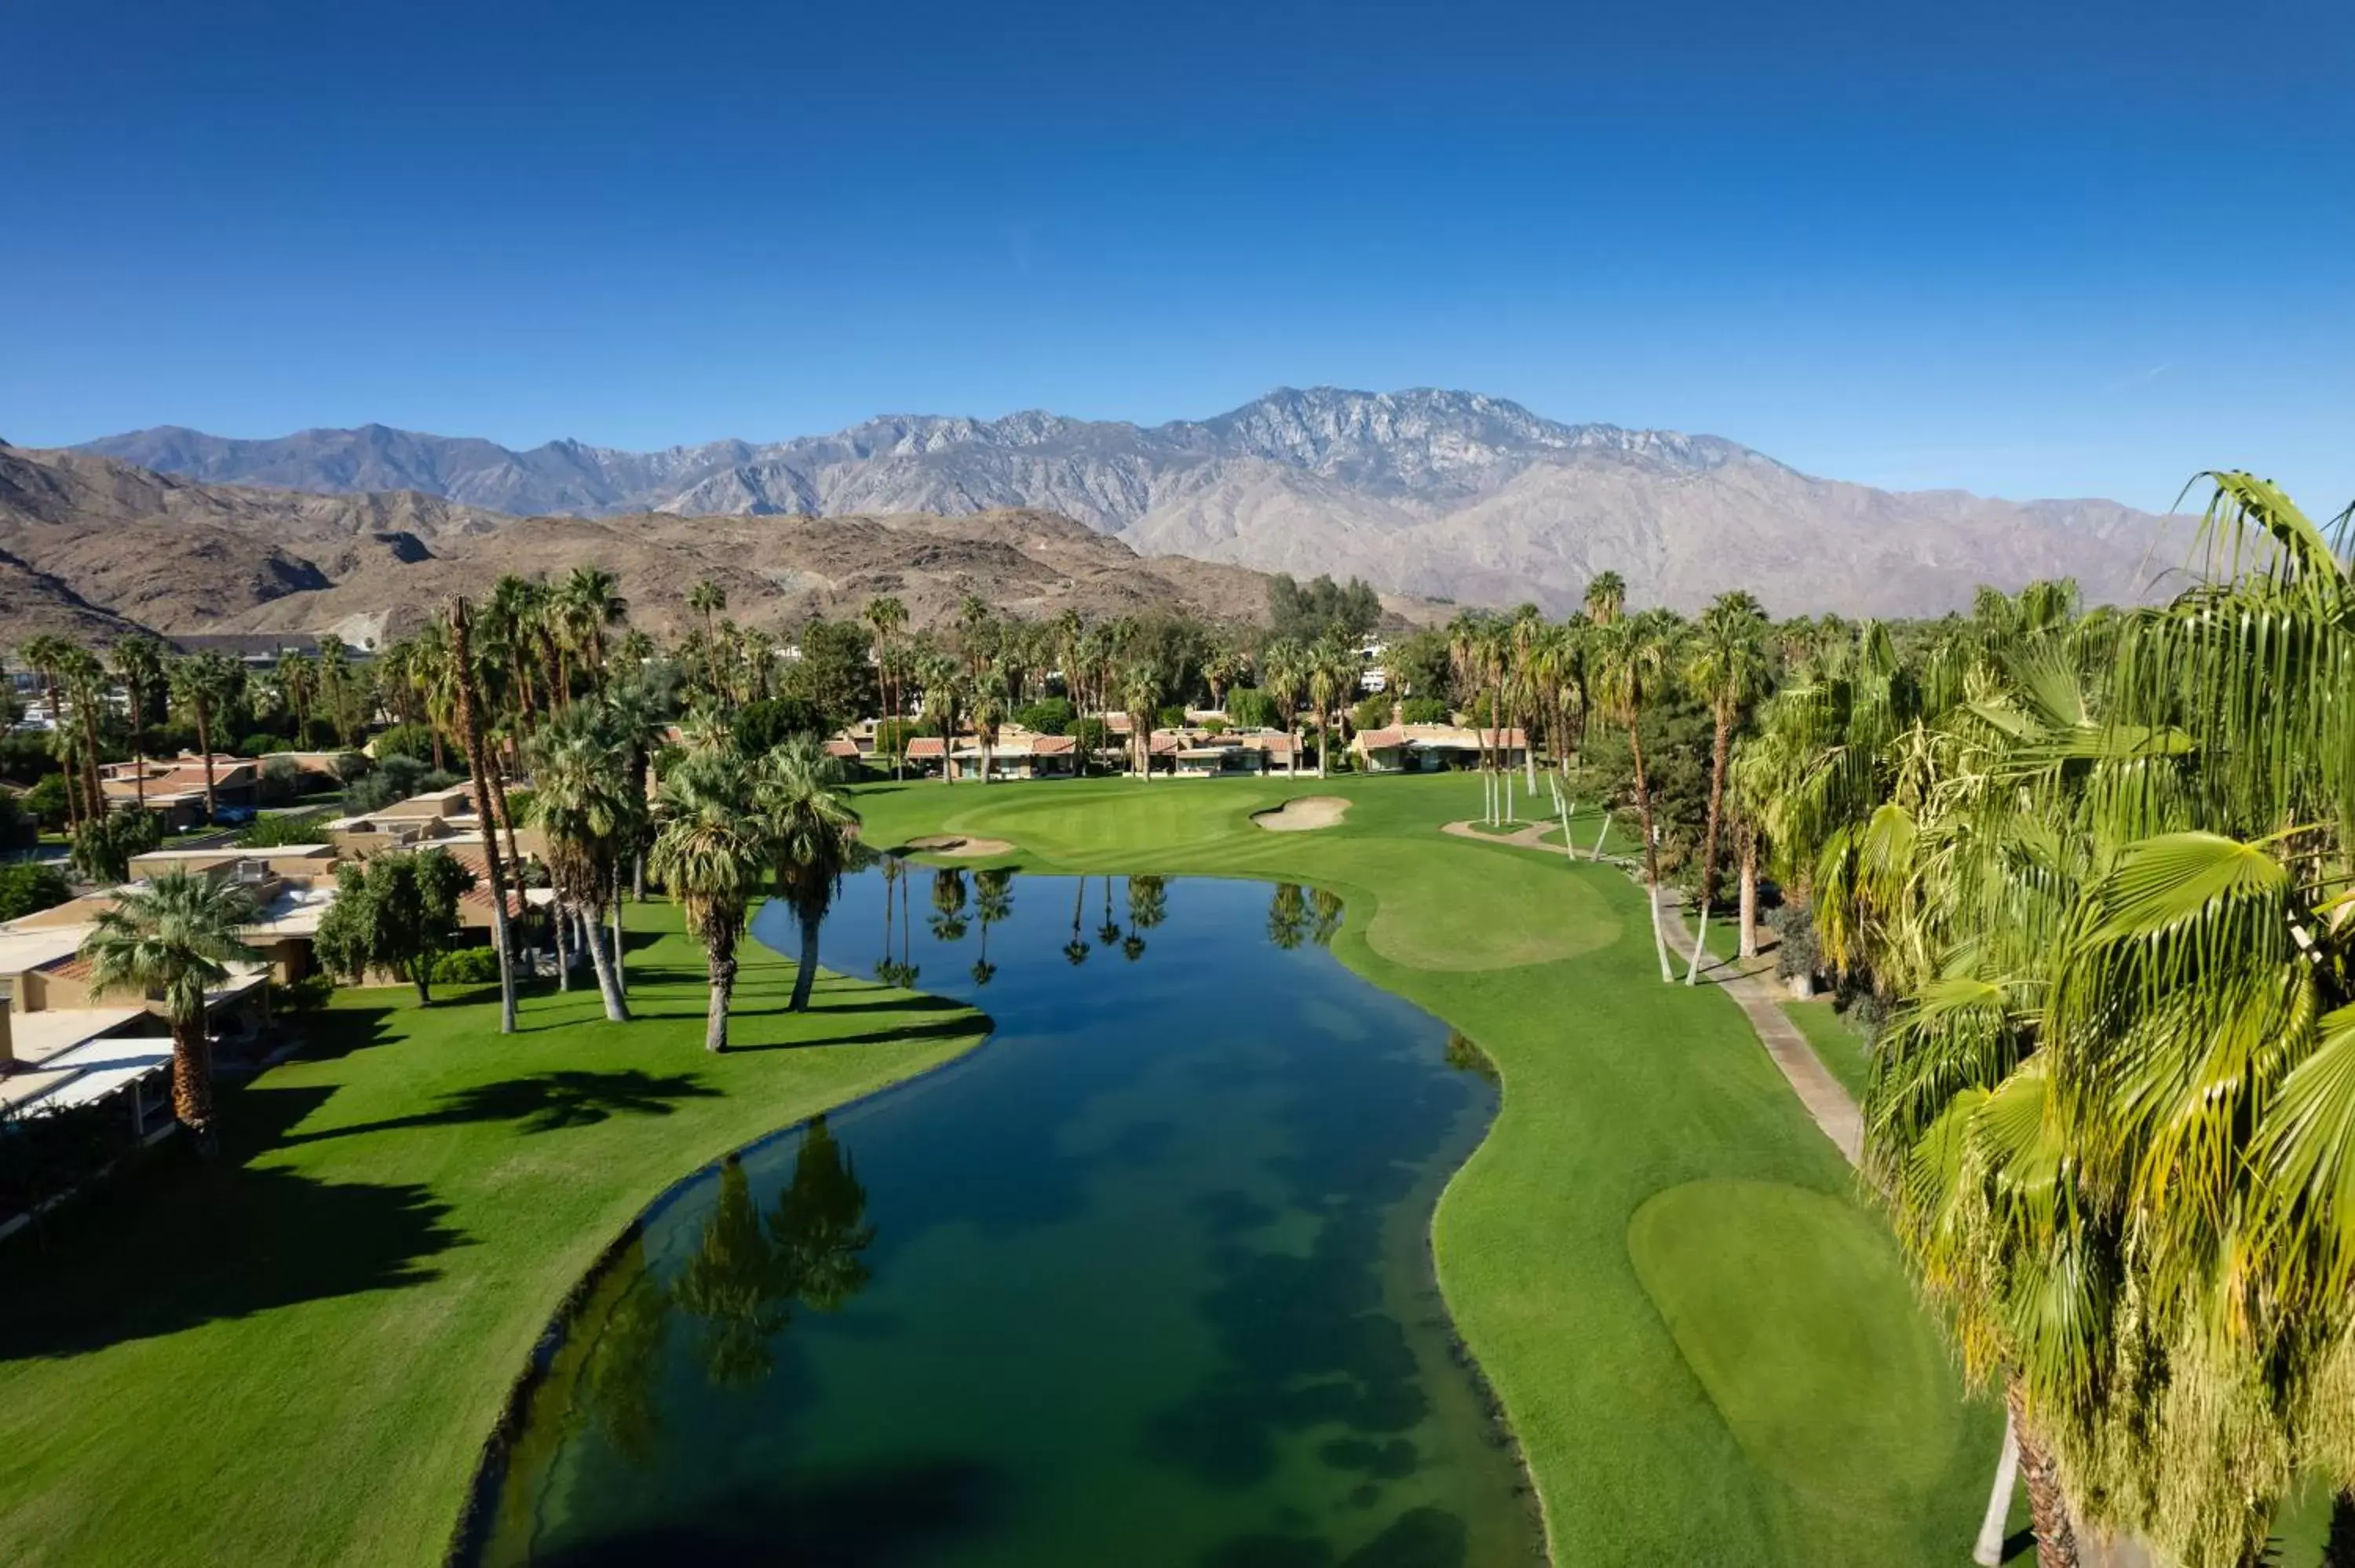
2101	866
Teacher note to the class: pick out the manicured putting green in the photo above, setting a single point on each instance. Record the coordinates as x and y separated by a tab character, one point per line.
1791	1308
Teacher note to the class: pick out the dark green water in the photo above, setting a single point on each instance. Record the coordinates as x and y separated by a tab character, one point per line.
1145	1280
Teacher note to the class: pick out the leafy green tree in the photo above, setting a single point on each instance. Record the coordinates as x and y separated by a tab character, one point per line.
103	845
1048	715
1248	707
398	914
175	939
1322	609
28	887
832	675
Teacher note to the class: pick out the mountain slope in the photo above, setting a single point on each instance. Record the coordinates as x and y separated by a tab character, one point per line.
96	547
1434	492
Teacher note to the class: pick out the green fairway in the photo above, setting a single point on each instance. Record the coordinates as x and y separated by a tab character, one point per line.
296	1359
1627	1374
1839	1047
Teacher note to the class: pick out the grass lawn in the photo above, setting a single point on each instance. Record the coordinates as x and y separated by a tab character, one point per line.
295	1358
1839	1047
1703	1340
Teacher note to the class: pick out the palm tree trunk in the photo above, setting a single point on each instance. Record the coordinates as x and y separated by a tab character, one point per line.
2048	1505
205	743
722	962
470	734
607	967
1749	949
562	925
806	976
614	911
1651	853
1988	1550
192	1082
1720	744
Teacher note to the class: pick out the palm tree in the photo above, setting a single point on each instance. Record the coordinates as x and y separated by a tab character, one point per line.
138	664
1140	693
1726	665
588	601
473	738
809	826
707	599
297	680
202	685
84	682
993	704
582	800
1607	596
1283	675
944	692
886	617
174	939
1333	669
1631	660
711	852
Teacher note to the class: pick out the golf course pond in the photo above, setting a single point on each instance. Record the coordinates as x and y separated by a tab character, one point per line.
1144	1280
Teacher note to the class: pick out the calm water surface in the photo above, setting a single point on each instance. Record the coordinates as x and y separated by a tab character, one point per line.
1144	1281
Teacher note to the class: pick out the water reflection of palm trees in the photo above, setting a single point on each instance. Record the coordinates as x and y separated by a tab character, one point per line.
1326	908
889	970
993	900
752	1270
1287	917
1108	934
948	905
1149	905
1075	951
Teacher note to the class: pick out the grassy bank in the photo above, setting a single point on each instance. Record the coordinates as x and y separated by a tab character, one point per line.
1702	1339
294	1359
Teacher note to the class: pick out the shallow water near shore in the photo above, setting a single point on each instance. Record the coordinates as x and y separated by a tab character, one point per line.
1144	1279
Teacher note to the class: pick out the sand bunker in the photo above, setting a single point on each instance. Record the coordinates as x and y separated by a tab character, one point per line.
1308	812
957	846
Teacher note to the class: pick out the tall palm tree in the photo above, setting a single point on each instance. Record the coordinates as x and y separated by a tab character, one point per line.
473	738
711	852
945	686
202	685
886	617
1333	670
993	704
809	826
297	680
1140	696
1726	666
1283	675
138	662
707	599
174	939
590	603
582	800
1632	663
84	682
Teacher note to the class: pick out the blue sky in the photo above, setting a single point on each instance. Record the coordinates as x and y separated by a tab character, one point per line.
1991	246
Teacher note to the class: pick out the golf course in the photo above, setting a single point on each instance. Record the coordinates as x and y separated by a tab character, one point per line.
1700	1335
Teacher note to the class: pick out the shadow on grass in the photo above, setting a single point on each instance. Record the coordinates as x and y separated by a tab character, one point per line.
544	1102
175	1244
955	1028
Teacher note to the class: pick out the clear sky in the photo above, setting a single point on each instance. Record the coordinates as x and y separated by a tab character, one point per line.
2068	247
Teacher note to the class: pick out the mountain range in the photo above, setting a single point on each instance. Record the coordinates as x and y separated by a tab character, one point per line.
94	548
1446	494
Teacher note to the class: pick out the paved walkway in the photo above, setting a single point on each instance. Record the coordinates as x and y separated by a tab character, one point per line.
1821	1094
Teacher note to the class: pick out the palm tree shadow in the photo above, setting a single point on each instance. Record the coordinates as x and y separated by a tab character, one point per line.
174	1245
940	1029
544	1102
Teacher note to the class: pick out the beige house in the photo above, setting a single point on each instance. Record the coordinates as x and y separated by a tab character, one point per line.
1434	747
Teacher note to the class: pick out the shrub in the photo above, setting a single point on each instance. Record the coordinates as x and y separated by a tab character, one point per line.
1048	715
395	779
308	994
1214	727
1170	717
286	827
1371	713
1248	707
1795	952
29	886
467	966
760	726
261	743
47	800
351	766
103	848
414	740
1422	710
282	778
